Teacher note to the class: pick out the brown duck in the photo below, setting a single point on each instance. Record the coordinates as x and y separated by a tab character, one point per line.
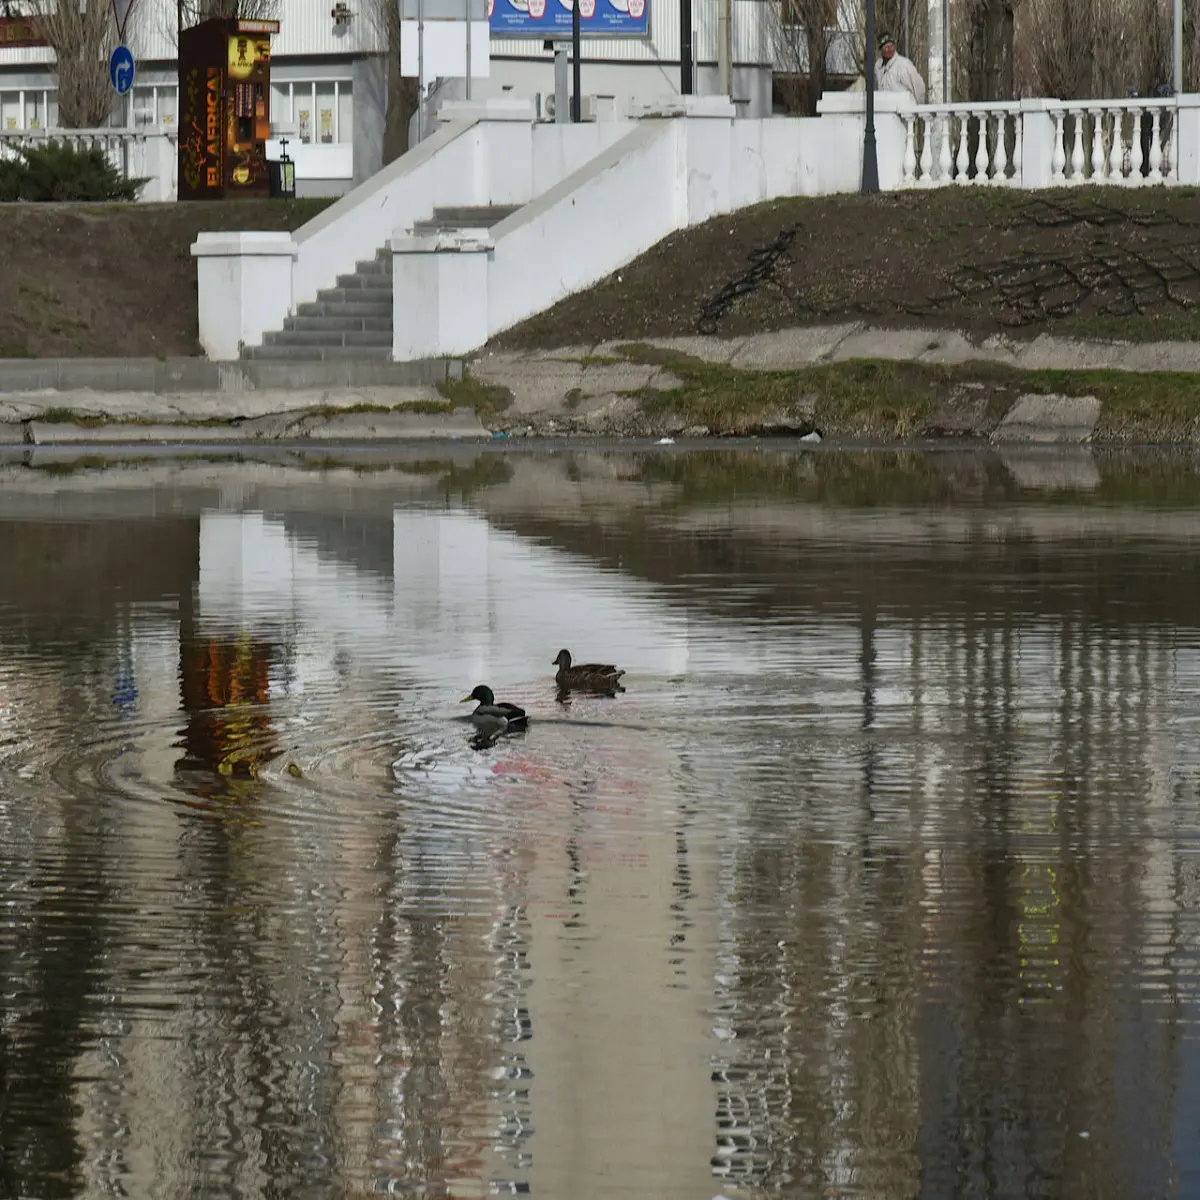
599	677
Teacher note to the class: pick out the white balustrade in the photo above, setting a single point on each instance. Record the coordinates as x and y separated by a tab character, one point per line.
148	153
946	131
1115	160
1127	143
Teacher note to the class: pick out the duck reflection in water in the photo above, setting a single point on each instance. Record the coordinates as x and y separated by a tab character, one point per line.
493	718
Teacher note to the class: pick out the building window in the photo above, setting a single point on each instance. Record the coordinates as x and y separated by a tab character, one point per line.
143	107
322	113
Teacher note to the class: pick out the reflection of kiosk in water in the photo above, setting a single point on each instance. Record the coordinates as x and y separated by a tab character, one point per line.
225	108
229	733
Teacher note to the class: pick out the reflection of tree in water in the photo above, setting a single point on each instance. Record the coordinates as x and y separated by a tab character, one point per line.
938	990
229	732
50	964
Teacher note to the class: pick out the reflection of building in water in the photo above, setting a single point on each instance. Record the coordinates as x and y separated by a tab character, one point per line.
926	883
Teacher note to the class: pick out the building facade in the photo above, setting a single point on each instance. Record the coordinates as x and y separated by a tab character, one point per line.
328	76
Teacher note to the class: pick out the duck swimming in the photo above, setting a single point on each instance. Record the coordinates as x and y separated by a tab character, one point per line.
492	719
600	677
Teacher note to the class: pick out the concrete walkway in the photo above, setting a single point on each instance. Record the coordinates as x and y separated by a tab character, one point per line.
793	349
580	389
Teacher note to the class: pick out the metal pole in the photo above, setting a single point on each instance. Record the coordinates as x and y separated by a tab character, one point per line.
420	71
562	85
945	51
470	6
1178	47
686	62
870	171
576	105
906	54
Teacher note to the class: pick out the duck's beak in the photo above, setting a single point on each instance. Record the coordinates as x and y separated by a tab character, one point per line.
465	699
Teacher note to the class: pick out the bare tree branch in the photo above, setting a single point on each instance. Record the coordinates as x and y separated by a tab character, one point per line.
384	29
83	36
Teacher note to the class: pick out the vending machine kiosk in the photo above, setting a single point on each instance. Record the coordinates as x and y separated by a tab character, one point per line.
225	108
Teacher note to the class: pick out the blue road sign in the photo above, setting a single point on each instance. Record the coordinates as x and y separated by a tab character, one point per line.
120	69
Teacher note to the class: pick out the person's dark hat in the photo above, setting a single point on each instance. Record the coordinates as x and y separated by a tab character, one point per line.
884	38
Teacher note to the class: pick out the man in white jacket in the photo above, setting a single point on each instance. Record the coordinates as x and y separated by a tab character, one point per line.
895	73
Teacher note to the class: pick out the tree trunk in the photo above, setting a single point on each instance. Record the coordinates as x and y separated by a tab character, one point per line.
990	59
991	52
402	93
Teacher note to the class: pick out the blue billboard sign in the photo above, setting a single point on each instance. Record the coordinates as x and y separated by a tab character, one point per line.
552	18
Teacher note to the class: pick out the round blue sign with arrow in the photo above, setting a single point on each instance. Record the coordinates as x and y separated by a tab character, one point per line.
120	69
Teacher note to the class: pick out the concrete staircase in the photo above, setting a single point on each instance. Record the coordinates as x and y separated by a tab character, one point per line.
353	319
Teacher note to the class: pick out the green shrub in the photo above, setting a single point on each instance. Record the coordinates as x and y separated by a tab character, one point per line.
57	171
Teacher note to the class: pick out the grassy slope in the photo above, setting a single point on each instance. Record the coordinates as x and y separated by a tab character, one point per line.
113	280
1097	263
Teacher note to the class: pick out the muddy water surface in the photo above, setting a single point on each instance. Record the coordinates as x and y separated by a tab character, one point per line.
881	879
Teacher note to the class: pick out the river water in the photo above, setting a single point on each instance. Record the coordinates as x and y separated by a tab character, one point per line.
881	878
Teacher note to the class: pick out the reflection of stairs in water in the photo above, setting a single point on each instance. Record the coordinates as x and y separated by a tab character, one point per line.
353	319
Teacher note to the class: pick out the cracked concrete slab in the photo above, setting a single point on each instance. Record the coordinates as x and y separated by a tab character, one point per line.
792	349
706	349
1047	353
350	427
1049	419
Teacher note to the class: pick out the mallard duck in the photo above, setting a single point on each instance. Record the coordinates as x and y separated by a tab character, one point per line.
490	718
601	677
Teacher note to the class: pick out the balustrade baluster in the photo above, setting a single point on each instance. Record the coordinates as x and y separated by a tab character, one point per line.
981	149
945	162
1077	159
1000	158
910	152
1116	155
964	159
1155	175
1058	160
1099	161
1136	179
928	124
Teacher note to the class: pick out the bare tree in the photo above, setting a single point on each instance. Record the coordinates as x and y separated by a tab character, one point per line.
1087	49
403	92
801	35
192	12
83	36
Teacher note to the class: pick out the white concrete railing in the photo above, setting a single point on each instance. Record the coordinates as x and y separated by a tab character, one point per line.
1125	142
1106	154
937	147
148	153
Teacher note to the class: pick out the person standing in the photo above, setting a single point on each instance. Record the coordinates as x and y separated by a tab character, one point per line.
895	73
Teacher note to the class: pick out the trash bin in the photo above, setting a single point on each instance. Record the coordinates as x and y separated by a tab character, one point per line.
281	179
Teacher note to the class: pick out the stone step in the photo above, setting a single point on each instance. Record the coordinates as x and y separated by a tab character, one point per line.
366	282
337	322
464	217
375	266
376	297
375	307
328	337
317	353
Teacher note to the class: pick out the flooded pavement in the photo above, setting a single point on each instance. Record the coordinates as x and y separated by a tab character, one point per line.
880	879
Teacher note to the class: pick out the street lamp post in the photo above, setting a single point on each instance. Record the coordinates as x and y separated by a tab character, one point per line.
1177	47
870	170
